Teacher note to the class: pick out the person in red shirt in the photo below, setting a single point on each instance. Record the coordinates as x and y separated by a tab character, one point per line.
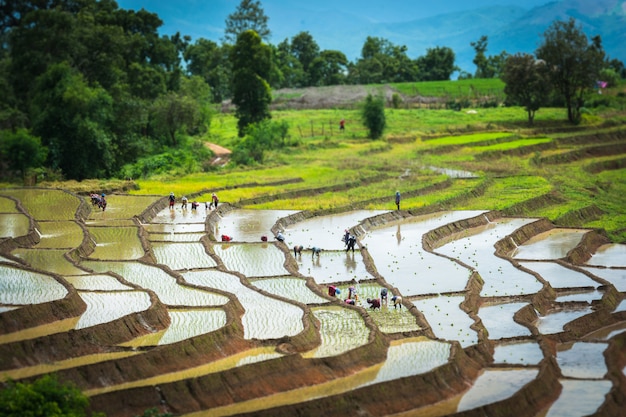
374	303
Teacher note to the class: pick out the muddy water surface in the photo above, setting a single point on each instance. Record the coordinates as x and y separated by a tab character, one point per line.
14	225
116	243
46	204
19	286
399	257
559	276
252	260
289	287
579	398
335	266
609	255
341	330
182	255
616	277
246	225
60	234
518	353
447	320
498	320
51	260
553	244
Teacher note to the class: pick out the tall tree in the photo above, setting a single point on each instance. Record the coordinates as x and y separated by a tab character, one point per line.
437	64
527	83
251	61
249	15
373	116
574	63
329	68
305	49
210	61
487	66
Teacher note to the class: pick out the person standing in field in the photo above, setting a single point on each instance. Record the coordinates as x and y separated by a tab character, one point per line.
172	201
398	199
214	200
342	125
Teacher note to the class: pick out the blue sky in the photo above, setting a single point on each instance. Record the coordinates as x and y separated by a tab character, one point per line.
205	18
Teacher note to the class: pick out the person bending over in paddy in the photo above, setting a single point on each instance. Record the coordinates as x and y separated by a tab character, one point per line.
397	301
315	251
297	250
351	243
374	303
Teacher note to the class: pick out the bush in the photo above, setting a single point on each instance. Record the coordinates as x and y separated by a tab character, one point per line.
259	137
44	397
373	115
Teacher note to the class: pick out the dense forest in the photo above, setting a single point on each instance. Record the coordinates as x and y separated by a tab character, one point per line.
90	89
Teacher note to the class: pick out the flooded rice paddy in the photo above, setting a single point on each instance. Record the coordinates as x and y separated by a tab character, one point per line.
458	295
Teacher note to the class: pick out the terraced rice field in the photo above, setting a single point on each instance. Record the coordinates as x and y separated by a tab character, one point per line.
142	306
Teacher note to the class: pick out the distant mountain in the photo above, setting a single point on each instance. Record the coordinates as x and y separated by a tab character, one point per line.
508	28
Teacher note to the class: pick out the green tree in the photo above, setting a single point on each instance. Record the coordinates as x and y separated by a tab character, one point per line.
381	61
487	66
329	68
210	61
527	83
174	113
305	50
437	64
21	151
373	116
44	397
287	71
249	15
574	63
73	121
251	61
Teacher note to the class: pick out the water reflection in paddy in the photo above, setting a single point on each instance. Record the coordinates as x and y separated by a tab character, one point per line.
579	398
554	322
14	225
59	234
19	286
586	297
46	204
582	360
341	330
178	216
4	309
7	205
186	324
116	243
252	260
500	276
553	244
51	260
447	320
613	254
494	385
247	225
410	357
518	353
498	320
163	284
182	255
174	228
97	282
104	307
399	257
336	266
175	237
617	277
123	207
559	276
265	317
325	231
289	287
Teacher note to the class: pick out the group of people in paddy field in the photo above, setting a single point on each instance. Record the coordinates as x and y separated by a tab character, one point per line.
184	202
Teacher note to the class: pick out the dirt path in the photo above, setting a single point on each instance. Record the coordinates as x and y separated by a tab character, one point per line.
222	155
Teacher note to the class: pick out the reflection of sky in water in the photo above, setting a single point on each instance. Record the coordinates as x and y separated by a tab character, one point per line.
258	358
559	276
341	330
291	288
408	358
252	260
18	286
14	225
477	250
617	277
175	228
495	385
246	225
447	319
175	237
553	244
163	284
498	320
179	216
191	323
613	254
583	360
337	266
325	231
265	317
586	297
182	255
399	257
518	353
621	306
579	398
123	207
554	322
105	307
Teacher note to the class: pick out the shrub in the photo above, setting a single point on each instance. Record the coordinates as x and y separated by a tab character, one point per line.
373	115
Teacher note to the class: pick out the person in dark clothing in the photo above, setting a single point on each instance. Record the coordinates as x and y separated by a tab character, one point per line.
383	295
374	303
398	199
351	243
297	250
397	301
172	201
316	251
